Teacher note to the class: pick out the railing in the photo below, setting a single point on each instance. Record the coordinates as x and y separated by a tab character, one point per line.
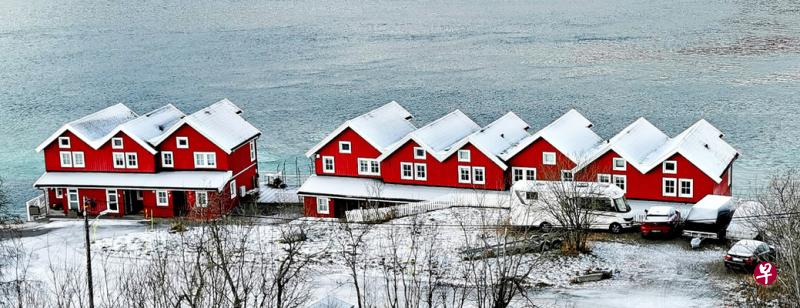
36	207
291	180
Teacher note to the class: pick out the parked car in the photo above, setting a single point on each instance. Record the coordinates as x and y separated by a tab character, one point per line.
746	254
747	222
660	220
605	203
709	218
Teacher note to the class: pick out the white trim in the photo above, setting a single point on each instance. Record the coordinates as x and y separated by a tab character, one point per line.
349	147
64	146
59	193
369	164
402	171
323	201
128	160
139	195
70	193
567	172
603	175
424	170
680	188
232	187
208	160
164	159
624	178
325	165
158	198
664	191
468	174
78	157
114	143
252	150
548	162
674	165
466	158
178	140
524	175
475	175
619	159
197	195
114	156
109	193
65	163
416	151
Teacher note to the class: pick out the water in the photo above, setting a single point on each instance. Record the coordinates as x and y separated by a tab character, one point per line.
300	68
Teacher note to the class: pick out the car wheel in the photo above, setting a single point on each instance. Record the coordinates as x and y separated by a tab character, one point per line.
545	227
615	228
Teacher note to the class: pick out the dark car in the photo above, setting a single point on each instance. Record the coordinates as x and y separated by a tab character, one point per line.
660	220
746	254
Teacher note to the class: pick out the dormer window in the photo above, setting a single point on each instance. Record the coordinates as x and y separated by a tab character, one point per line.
63	142
620	164
463	156
345	147
116	143
419	153
182	142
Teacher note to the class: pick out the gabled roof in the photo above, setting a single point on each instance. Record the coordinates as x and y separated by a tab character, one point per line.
570	134
221	123
380	127
94	128
496	137
439	136
149	126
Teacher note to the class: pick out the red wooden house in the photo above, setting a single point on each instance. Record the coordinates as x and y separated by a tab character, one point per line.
163	163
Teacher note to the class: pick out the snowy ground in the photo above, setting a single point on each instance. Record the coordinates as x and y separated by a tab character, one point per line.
650	273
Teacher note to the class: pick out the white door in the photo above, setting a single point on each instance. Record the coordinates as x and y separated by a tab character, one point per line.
72	198
111	199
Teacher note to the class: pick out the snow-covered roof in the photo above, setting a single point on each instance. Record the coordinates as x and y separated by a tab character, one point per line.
440	136
380	127
709	207
153	124
495	138
221	123
571	134
94	128
581	188
163	180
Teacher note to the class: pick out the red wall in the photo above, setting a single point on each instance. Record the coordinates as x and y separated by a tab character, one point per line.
184	158
310	208
240	158
649	186
100	160
531	157
346	164
442	173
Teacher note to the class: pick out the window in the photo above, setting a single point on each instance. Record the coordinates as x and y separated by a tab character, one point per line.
323	207
201	198
604	178
77	160
205	160
463	156
368	167
112	204
119	159
464	174
162	199
419	153
531	195
518	174
327	164
478	175
253	150
182	142
116	143
167	159
139	195
72	198
345	147
233	188
132	160
619	164
66	159
549	158
421	172
406	171
669	187
670	167
566	176
686	188
63	142
59	193
621	181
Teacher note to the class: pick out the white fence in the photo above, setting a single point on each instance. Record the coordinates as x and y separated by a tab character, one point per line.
402	210
36	207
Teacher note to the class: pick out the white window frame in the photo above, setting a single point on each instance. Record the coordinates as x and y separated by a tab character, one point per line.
75	156
619	159
680	188
349	147
664	191
369	164
667	171
326	202
62	145
59	193
571	176
424	172
403	175
325	166
624	181
178	142
197	195
548	162
115	155
209	160
128	164
232	187
252	150
464	156
109	193
65	163
602	176
158	198
474	175
462	180
164	159
114	143
524	175
417	150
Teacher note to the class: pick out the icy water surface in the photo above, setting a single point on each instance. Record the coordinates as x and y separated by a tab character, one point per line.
299	68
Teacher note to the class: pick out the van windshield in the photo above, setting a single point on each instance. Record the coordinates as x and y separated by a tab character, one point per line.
622	205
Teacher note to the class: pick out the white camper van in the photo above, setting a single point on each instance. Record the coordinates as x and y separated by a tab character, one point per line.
605	203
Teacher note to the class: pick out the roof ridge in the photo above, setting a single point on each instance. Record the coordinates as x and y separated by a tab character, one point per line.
101	110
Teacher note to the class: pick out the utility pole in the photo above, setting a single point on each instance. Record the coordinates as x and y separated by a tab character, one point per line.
88	257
